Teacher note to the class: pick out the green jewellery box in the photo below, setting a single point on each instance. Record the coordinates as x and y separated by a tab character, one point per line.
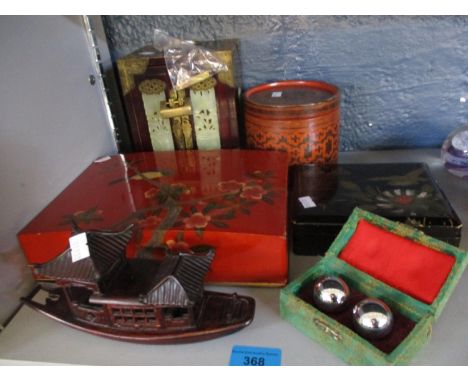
414	274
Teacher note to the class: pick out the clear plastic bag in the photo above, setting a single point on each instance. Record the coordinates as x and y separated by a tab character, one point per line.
186	62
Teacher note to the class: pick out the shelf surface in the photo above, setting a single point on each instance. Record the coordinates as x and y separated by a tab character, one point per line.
31	337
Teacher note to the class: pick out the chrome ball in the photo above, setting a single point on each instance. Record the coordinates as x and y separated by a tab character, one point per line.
372	318
331	294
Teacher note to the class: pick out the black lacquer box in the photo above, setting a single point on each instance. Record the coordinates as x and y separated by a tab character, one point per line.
323	197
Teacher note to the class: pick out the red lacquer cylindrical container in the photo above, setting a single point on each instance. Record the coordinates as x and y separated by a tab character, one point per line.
299	117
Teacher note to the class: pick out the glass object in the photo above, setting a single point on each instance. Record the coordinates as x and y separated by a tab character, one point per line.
455	152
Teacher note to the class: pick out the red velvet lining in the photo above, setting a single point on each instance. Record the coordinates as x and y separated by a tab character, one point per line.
399	262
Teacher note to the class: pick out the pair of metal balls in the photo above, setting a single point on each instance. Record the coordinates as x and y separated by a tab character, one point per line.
372	318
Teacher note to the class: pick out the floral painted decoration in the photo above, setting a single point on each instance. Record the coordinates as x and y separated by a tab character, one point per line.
178	246
255	192
197	220
149	222
410	194
178	206
401	200
82	218
230	186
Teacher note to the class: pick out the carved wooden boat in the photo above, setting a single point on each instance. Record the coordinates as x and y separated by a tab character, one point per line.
220	314
137	300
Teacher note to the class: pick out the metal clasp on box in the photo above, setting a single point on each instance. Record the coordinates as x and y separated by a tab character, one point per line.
178	108
323	326
177	105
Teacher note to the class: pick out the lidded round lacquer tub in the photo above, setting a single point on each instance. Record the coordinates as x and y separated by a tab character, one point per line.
299	117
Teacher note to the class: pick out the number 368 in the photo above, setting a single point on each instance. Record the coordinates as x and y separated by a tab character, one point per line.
254	361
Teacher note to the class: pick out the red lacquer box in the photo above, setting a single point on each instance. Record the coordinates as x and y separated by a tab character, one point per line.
232	200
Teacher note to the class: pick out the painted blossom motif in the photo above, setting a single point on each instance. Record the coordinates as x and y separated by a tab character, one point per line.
169	207
198	220
148	175
253	192
89	214
83	217
410	194
183	188
230	186
398	200
178	246
151	193
150	222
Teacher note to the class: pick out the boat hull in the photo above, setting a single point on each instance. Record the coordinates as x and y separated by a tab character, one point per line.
209	325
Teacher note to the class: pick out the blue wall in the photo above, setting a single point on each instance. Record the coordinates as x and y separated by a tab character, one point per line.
403	79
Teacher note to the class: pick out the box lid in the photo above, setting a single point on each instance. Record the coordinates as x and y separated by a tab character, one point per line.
454	267
284	95
192	192
404	192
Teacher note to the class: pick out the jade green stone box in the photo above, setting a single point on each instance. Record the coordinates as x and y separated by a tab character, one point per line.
415	283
